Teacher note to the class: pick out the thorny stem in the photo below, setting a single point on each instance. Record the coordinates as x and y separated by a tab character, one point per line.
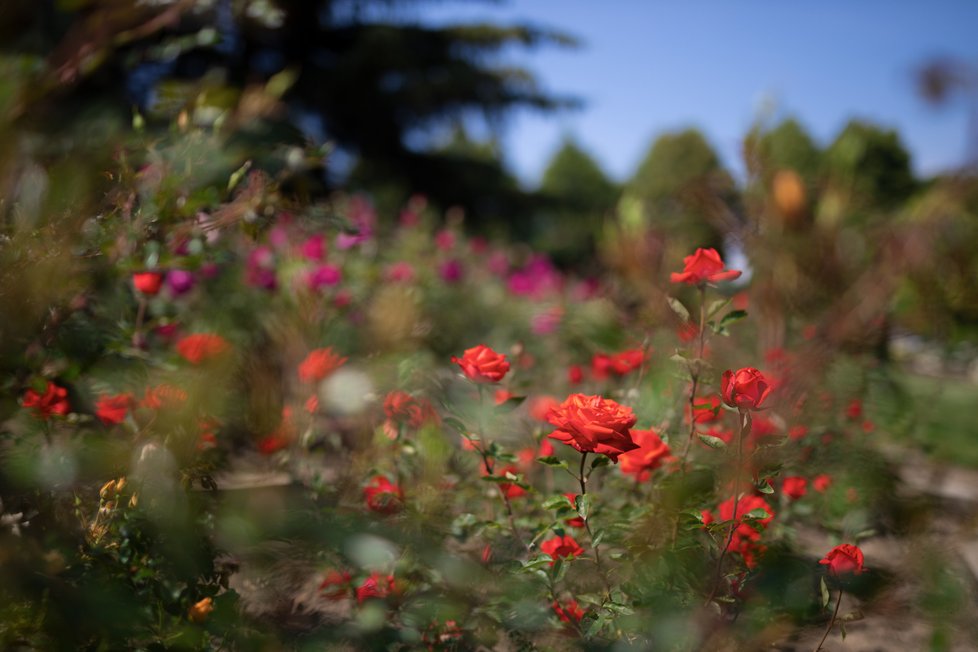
745	424
828	629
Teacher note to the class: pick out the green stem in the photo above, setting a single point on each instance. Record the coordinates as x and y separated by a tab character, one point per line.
835	614
745	425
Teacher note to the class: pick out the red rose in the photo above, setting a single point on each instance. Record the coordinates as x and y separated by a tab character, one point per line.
383	496
744	389
593	424
376	586
200	347
319	364
577	521
113	409
794	487
561	547
844	559
508	489
54	400
705	265
821	483
570	611
706	409
147	283
575	375
604	365
480	364
649	455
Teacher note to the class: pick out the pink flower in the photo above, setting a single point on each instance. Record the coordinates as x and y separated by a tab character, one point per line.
314	247
400	272
323	276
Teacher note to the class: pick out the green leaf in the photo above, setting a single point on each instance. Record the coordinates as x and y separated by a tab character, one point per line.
511	403
583	505
825	592
601	460
758	513
717	306
238	174
452	422
598	538
712	442
732	316
765	488
842	628
556	502
552	461
678	308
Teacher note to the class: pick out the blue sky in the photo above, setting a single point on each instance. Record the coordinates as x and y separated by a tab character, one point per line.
649	66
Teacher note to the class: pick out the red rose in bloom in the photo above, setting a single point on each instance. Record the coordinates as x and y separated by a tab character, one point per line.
604	365
560	547
569	612
508	489
821	483
745	537
113	409
336	585
148	283
744	389
200	347
706	409
54	400
376	586
480	364
312	404
855	409
794	487
704	266
649	455
163	396
319	364
577	521
383	496
593	424
844	560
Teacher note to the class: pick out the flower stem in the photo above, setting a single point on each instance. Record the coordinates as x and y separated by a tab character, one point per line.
835	614
695	376
745	424
487	464
587	524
